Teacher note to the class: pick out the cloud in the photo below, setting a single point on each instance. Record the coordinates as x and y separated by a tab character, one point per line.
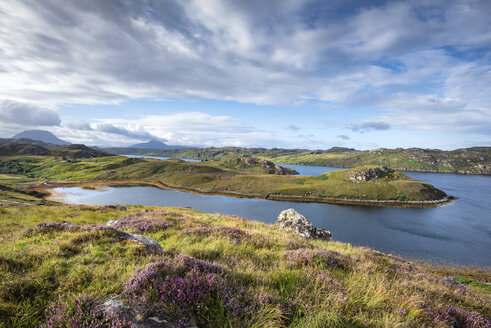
340	54
293	127
186	128
24	114
343	137
368	126
103	52
78	125
139	134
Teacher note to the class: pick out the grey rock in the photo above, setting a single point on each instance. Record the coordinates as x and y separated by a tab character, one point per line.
454	283
111	223
150	244
372	173
291	220
131	315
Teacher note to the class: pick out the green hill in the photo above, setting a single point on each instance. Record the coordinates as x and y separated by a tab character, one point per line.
476	160
370	184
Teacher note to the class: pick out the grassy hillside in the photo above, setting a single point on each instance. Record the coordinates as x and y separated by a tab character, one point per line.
223	177
469	160
13	147
215	271
475	160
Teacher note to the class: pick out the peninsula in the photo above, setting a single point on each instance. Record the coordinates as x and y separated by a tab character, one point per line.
237	177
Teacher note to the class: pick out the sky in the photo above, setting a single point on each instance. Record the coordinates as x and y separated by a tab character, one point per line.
278	73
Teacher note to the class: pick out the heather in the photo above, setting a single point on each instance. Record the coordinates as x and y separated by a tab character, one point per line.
59	265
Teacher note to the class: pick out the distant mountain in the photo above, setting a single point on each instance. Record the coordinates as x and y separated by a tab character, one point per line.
152	144
41	135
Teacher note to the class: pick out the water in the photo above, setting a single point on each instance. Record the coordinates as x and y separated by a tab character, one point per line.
458	233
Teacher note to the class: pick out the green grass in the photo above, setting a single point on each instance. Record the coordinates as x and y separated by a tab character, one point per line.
297	285
217	177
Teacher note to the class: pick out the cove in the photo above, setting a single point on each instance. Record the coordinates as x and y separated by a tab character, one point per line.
458	233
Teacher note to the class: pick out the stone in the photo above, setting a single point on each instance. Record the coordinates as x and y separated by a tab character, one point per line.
291	220
369	174
150	244
132	316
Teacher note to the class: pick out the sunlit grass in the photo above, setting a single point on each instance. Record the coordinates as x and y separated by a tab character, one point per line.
291	282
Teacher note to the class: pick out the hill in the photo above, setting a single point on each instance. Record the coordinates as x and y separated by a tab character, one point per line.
41	135
154	144
475	160
70	264
244	177
10	147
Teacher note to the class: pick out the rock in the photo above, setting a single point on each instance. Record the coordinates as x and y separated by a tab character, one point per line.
291	220
271	167
150	244
135	318
369	174
454	283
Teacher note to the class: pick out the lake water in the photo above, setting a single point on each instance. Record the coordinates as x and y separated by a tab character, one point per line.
458	233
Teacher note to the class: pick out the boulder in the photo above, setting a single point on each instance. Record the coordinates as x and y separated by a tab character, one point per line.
291	220
136	318
150	244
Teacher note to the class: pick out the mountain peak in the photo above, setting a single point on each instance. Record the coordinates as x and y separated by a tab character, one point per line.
41	135
151	144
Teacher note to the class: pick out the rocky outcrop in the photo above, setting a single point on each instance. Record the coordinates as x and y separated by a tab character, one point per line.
291	220
268	166
115	308
151	245
369	174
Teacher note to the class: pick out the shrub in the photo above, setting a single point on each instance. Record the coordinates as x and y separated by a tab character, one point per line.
190	290
81	312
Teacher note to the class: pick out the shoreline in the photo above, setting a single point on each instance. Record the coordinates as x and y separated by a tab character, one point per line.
47	187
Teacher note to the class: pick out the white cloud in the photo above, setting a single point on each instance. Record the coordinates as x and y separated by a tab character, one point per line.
189	128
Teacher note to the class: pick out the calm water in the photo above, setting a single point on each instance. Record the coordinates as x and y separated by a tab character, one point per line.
457	233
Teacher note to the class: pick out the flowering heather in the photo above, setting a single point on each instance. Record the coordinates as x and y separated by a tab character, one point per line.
141	225
459	318
81	312
304	256
186	288
43	228
233	234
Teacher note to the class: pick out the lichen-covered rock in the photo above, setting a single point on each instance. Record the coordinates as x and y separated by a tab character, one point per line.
270	167
291	220
116	308
369	174
150	244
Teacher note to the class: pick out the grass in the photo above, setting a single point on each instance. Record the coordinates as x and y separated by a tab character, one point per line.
218	177
258	276
469	160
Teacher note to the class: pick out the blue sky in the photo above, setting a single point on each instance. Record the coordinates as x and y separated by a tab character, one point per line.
292	73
